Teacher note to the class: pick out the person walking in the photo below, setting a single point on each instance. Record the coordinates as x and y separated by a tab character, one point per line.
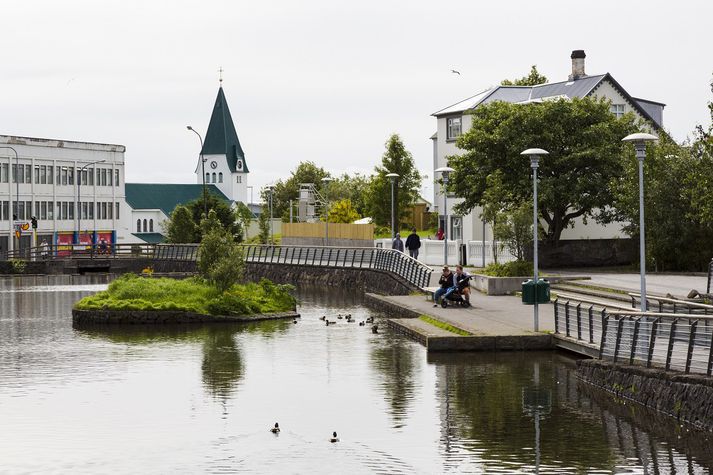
397	243
413	243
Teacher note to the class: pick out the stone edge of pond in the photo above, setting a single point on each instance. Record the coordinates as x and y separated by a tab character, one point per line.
453	343
169	317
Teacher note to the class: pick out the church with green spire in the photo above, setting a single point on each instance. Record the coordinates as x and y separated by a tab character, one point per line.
221	162
223	159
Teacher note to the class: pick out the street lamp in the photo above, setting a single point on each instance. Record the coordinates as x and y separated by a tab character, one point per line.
17	197
445	173
639	140
272	229
392	177
205	198
534	154
79	198
326	181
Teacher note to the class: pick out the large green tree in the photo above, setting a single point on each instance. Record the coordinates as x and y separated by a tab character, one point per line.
396	159
289	189
585	154
179	229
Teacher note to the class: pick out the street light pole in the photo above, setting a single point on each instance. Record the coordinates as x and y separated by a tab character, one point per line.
639	140
393	177
79	199
205	197
445	173
11	237
326	181
534	154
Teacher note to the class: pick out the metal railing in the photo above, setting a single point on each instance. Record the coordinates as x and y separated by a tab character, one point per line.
710	276
671	305
402	265
679	342
182	252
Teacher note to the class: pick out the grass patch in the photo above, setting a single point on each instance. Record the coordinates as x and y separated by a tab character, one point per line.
444	326
131	292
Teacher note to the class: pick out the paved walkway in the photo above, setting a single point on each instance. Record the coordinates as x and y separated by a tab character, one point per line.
490	315
675	284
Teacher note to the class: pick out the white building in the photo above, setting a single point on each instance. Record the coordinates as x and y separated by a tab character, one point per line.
75	190
452	121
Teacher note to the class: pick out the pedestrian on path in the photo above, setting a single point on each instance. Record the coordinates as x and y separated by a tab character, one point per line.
413	244
397	243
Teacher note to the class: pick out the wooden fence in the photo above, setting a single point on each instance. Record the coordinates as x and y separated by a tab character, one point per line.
336	231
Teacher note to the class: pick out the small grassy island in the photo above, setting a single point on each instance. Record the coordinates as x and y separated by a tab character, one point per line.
212	296
131	292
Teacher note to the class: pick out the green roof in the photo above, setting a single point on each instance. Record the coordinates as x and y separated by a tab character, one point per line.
151	238
165	196
221	138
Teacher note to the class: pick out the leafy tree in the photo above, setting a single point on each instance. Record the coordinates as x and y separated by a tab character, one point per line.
397	160
342	212
284	191
583	139
263	222
220	258
244	216
532	79
353	188
181	228
515	230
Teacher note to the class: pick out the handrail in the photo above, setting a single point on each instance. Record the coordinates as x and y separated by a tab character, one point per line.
599	303
675	302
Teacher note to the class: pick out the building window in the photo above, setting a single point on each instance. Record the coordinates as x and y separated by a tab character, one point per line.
207	177
43	210
239	179
43	174
213	177
617	110
109	177
50	210
110	211
103	183
90	175
50	174
453	128
28	173
145	227
116	214
116	177
220	177
37	174
150	225
4	173
138	225
70	176
456	228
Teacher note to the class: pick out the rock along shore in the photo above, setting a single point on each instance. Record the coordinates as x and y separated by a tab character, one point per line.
169	317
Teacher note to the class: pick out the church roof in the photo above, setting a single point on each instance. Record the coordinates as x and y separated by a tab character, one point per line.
166	196
221	138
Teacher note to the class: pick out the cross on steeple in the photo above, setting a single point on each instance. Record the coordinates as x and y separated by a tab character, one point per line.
220	77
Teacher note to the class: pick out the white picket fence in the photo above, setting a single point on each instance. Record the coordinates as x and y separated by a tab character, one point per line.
431	252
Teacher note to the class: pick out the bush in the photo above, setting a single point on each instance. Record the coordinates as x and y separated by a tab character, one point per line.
18	266
509	269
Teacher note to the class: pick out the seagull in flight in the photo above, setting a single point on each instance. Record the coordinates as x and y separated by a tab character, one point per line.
455	72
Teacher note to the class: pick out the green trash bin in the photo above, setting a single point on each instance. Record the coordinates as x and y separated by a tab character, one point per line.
535	293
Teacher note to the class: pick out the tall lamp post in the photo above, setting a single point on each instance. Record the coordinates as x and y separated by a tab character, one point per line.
79	198
16	207
445	174
639	140
270	188
326	181
534	154
393	177
205	198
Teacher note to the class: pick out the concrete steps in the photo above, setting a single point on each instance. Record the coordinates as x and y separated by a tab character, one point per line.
610	295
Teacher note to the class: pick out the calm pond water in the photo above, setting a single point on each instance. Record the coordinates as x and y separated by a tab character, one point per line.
201	400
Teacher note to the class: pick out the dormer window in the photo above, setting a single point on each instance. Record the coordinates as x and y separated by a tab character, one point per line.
453	128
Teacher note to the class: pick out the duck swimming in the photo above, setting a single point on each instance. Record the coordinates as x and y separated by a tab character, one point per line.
275	429
334	438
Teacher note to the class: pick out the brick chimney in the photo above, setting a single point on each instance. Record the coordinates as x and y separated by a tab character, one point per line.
577	64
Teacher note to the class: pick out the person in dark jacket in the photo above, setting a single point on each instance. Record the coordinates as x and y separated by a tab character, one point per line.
397	243
413	244
446	281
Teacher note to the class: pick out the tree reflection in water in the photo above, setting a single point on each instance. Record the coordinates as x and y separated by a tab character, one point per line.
222	367
395	359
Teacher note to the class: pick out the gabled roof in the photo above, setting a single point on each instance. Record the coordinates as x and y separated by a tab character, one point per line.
165	196
151	238
581	87
221	137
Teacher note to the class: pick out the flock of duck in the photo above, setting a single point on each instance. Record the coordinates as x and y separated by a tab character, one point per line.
276	430
348	318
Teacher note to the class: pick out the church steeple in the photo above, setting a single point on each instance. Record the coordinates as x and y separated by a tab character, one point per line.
221	138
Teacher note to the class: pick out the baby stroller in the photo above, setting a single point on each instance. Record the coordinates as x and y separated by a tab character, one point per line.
454	295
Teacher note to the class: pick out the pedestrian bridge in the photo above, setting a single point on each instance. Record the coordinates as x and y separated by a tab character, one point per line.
167	256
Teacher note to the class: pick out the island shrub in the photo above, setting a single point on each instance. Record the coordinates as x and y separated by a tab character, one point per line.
509	269
131	292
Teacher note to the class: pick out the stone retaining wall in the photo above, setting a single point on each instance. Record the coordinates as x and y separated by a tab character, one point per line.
167	317
687	397
367	280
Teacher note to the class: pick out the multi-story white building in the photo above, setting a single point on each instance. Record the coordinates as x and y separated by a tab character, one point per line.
74	190
455	120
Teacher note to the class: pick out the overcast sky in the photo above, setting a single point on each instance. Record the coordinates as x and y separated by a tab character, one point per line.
320	80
